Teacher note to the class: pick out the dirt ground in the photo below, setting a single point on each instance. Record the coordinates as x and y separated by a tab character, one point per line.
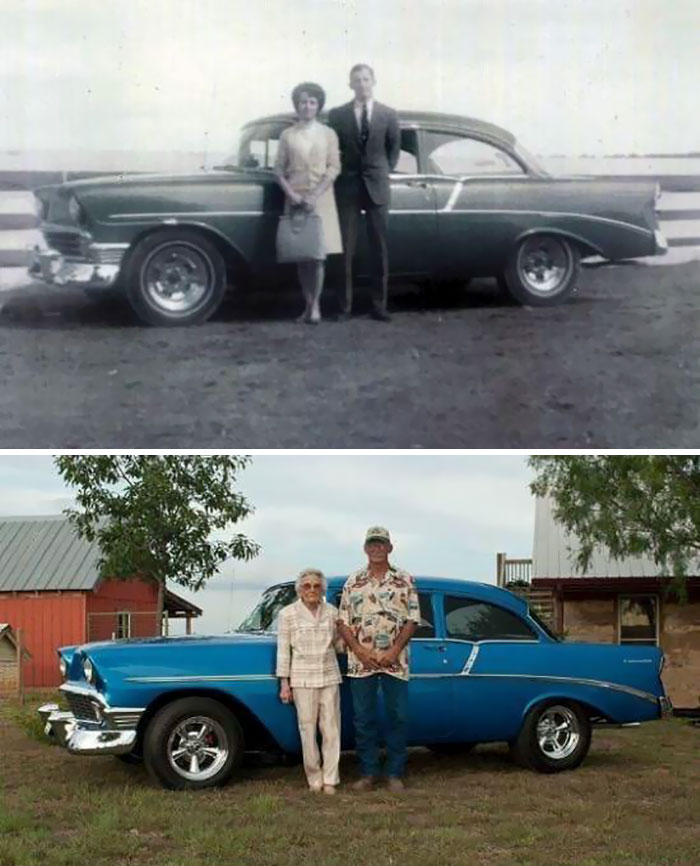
616	366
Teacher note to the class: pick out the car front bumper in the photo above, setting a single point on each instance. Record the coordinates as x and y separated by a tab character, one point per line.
108	730
73	260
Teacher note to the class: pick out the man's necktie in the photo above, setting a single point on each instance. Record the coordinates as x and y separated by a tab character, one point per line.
364	127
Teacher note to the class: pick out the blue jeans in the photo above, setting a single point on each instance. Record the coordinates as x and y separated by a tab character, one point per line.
365	705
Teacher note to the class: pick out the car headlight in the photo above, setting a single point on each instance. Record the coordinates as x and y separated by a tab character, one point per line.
89	670
75	210
63	667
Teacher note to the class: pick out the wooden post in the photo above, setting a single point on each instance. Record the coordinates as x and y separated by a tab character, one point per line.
500	568
20	683
188	625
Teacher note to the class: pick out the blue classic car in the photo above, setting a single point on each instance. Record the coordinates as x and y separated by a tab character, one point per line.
484	668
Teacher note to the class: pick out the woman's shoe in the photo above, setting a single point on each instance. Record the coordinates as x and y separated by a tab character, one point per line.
329	789
315	789
303	318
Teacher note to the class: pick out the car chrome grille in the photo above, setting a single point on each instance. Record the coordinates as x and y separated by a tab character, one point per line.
66	243
81	706
123	719
107	255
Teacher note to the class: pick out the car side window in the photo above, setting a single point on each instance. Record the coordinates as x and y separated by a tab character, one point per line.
408	157
469	619
426	629
258	148
468	156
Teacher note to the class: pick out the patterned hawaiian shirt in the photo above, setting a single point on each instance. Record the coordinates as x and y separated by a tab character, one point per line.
376	611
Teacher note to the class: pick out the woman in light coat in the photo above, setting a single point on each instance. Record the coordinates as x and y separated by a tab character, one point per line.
307	164
307	667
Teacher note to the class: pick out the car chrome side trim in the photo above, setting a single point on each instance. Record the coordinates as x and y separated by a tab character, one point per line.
223	678
603	684
469	664
454	195
193	213
545	213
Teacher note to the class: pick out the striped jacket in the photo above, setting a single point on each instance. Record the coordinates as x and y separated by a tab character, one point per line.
306	645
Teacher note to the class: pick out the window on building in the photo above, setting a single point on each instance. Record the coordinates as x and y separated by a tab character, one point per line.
123	625
468	619
639	619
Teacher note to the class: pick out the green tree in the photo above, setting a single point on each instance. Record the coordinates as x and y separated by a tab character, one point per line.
161	518
634	505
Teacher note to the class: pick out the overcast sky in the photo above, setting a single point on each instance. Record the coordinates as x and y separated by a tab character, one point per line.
566	76
449	516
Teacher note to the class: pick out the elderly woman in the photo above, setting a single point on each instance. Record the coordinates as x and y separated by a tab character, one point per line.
309	676
307	164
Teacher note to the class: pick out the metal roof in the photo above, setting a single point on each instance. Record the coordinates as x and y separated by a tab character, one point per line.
45	553
554	553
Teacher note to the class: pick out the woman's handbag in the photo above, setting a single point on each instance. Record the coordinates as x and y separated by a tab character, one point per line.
300	236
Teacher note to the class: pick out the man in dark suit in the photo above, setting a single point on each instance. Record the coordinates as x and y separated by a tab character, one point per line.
370	142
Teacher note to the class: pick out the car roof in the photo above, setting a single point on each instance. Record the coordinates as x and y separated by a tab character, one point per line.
434	120
480	591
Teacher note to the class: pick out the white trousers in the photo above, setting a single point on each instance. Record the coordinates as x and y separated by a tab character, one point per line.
319	708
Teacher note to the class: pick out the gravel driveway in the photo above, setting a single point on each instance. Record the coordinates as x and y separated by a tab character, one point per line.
617	366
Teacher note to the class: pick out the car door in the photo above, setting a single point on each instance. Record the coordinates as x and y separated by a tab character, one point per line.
429	688
473	180
478	633
412	223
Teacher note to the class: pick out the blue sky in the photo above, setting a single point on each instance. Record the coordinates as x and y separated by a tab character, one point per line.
566	76
449	515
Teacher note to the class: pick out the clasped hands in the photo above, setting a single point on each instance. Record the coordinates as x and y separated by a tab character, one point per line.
307	201
377	660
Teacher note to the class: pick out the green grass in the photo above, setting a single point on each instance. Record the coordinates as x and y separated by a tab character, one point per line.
634	802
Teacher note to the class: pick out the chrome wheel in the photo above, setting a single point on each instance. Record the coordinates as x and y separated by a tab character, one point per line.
197	748
177	277
544	264
558	732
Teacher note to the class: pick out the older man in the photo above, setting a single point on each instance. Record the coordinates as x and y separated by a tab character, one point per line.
378	613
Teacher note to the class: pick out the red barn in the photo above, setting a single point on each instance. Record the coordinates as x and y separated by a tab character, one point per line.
51	589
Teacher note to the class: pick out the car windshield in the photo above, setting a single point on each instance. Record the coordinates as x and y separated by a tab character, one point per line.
264	616
543	625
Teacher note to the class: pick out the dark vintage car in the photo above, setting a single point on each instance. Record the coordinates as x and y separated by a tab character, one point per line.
467	200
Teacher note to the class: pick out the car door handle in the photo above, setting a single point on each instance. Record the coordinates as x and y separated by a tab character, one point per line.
421	183
437	648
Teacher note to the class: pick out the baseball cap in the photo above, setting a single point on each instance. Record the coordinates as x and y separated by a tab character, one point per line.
377	533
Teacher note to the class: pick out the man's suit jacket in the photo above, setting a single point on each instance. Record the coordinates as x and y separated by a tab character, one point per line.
372	164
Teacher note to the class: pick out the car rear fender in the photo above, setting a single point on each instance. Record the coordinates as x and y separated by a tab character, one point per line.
585	247
612	706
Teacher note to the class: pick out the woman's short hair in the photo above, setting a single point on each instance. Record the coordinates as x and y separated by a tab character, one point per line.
306	572
311	89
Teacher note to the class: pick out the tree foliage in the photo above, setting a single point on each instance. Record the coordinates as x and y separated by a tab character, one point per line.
161	517
643	505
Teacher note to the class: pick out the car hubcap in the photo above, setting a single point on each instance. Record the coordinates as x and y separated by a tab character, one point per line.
198	748
558	732
177	277
544	264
